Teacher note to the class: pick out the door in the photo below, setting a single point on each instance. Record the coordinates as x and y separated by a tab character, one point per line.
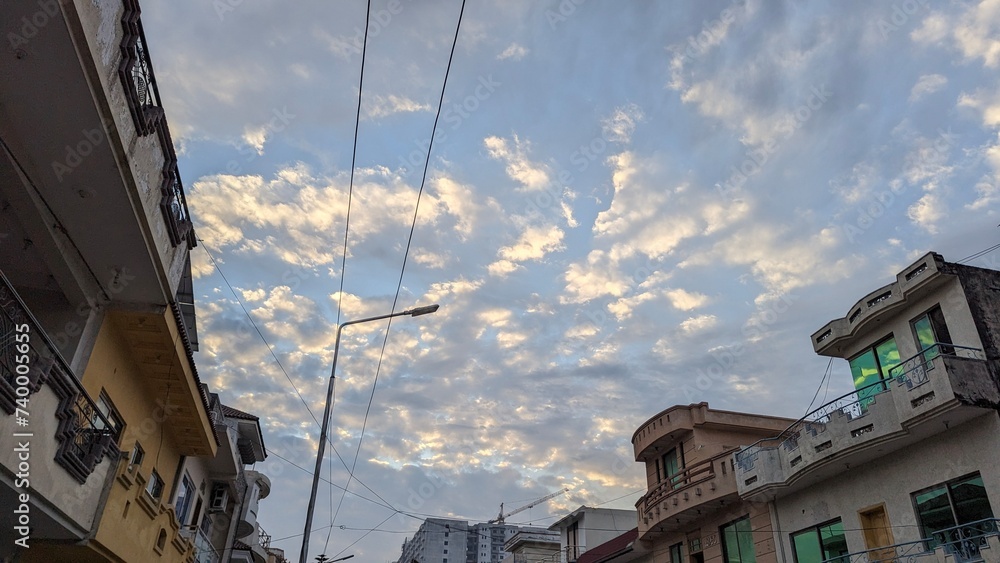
877	533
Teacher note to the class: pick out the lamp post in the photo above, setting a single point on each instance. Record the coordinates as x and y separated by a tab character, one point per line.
415	312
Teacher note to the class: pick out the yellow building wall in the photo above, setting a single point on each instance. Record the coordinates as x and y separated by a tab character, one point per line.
135	527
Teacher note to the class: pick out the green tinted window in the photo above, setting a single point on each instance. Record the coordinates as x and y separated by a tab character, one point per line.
806	545
737	542
888	356
934	510
969	498
832	539
864	369
925	332
675	553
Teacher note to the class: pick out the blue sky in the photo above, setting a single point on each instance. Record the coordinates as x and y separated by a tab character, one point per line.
622	199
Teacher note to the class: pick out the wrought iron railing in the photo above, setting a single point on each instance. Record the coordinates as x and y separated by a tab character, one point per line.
913	371
854	404
907	552
84	433
263	538
964	543
143	97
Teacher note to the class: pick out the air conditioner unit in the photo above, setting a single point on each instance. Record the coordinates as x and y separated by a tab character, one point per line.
220	497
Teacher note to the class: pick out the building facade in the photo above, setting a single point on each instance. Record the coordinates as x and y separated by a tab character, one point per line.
106	424
903	466
443	540
692	510
588	527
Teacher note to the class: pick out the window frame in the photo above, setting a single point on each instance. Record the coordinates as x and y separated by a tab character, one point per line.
931	542
819	538
112	414
136	456
939	329
189	492
884	373
725	548
677	550
672	478
155	479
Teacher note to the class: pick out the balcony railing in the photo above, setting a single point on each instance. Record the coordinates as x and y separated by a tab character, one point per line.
84	433
855	404
682	480
136	74
263	538
964	543
204	551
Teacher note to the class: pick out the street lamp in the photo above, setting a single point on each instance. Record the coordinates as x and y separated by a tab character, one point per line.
415	312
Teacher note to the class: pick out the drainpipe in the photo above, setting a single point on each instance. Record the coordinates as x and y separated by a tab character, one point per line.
772	507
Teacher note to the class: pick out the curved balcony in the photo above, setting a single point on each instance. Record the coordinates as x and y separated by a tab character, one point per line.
258	487
695	491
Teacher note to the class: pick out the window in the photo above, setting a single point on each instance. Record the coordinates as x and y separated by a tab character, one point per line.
155	485
673	463
136	457
737	542
951	504
107	408
185	497
930	330
675	553
206	525
873	365
820	543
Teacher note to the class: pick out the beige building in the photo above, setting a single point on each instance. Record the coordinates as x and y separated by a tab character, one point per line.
905	465
692	510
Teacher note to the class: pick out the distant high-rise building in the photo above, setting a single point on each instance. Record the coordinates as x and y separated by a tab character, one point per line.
442	540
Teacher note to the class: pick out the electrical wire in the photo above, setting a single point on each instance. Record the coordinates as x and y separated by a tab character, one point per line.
204	246
979	254
343	261
409	240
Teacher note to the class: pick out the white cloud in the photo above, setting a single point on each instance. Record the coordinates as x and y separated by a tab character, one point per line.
927	212
686	300
701	323
514	52
514	152
535	242
597	276
620	125
975	32
927	84
383	106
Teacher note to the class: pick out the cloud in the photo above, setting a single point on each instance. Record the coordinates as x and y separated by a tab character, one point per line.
514	153
701	323
514	52
974	32
927	84
620	125
384	106
686	301
534	244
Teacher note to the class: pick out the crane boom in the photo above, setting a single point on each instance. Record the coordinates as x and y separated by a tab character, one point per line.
501	516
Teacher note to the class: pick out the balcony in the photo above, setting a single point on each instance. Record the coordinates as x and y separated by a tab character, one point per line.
90	162
58	448
695	491
942	386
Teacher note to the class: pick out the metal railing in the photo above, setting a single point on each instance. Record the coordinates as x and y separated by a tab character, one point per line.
263	538
913	370
204	552
964	543
143	97
681	481
854	404
84	433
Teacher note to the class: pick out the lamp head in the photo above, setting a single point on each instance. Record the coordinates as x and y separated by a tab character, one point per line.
425	310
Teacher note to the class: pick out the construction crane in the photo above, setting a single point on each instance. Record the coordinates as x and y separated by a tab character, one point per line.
501	516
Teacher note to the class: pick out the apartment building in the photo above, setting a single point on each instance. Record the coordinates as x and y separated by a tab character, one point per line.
692	510
103	410
588	527
903	466
444	540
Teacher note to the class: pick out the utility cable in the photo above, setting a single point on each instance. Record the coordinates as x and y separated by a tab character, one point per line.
343	261
409	240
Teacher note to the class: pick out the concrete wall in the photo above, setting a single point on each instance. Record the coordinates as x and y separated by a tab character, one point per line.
891	479
707	531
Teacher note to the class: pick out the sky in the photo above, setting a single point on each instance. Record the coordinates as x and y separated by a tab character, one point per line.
628	206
